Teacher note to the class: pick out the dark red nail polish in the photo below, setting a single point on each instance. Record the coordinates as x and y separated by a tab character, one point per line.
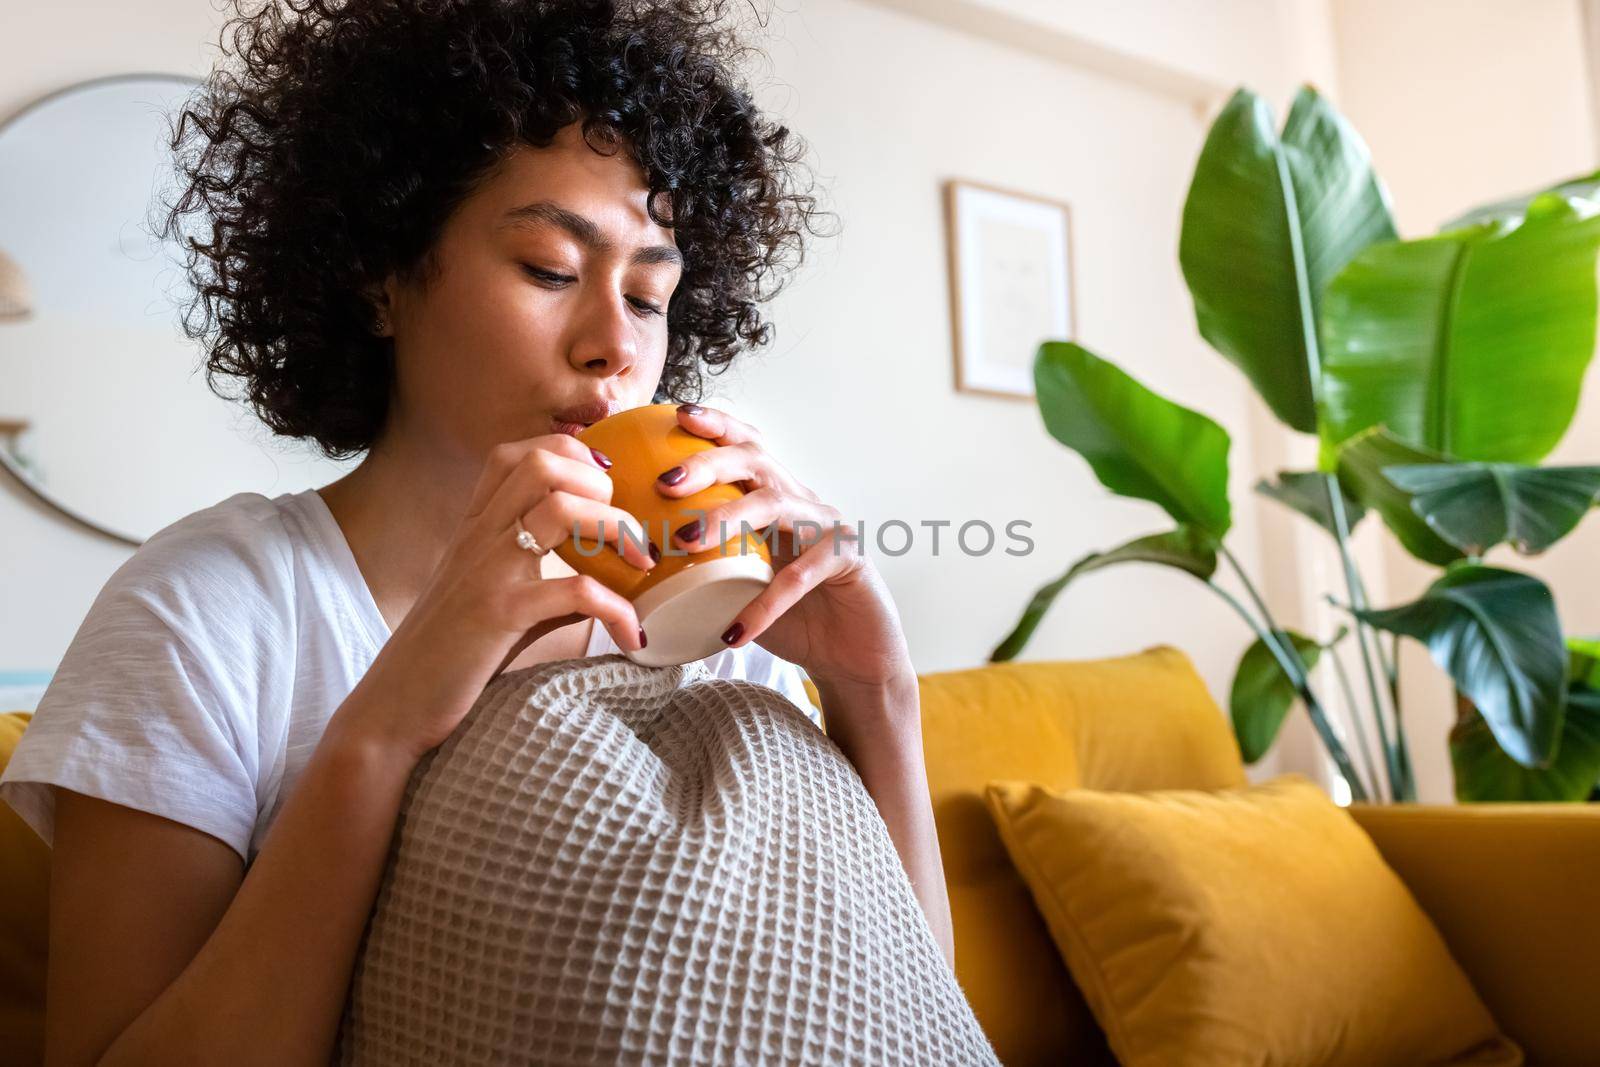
601	458
689	531
733	633
691	409
655	553
643	640
673	476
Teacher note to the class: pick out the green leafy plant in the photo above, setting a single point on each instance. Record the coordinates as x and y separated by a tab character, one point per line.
1436	373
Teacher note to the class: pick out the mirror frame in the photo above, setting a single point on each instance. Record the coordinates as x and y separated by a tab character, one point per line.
18	474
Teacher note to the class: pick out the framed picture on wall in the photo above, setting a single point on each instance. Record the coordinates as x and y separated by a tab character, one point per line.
1010	283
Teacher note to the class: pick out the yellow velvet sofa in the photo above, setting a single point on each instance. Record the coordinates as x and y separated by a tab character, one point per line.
1514	889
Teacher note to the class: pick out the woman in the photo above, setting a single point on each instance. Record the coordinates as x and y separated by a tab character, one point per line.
445	235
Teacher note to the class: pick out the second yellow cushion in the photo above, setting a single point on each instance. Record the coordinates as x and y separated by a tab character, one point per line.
1253	925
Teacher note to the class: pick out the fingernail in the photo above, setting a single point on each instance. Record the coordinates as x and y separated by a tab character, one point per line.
601	458
655	553
673	476
643	640
691	409
732	633
689	531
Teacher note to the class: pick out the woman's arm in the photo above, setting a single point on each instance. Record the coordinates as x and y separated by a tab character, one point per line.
162	949
260	975
879	729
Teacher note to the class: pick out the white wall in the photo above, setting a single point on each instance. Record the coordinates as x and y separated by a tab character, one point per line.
1463	103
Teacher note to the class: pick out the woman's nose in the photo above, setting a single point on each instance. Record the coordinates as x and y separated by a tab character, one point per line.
605	341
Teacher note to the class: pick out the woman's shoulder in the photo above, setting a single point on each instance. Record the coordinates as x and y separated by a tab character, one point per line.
164	694
237	551
219	582
245	528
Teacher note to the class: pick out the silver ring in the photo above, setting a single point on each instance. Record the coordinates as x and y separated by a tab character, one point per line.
528	541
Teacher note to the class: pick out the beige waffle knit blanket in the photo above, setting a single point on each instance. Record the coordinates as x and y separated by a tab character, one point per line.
616	864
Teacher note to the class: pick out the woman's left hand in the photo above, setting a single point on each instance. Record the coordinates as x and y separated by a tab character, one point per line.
827	609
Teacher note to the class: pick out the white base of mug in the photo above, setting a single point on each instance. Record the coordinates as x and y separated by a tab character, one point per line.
685	616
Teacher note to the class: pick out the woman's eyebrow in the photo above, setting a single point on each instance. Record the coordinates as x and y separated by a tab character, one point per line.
584	230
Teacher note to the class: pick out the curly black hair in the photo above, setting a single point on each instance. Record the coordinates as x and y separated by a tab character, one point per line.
333	140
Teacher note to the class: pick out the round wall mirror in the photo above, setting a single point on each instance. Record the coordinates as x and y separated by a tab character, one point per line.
105	414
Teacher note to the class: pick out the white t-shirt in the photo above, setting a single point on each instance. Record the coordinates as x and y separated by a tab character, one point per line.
208	666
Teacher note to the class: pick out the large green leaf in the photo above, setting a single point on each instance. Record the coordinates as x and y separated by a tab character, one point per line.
1262	693
1473	343
1139	444
1485	773
1185	548
1497	635
1268	222
1362	461
1307	493
1476	506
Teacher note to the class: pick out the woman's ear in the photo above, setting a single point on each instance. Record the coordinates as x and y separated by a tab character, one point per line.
382	309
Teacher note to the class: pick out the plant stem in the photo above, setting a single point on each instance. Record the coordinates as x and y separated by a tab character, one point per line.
1394	670
1249	588
1341	528
1286	648
1408	788
1389	661
1294	671
1363	743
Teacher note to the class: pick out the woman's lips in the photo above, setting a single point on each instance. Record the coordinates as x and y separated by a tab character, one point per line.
574	419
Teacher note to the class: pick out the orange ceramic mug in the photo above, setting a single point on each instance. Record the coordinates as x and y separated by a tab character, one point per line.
687	600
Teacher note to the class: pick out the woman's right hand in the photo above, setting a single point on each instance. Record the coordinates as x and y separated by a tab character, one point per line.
488	598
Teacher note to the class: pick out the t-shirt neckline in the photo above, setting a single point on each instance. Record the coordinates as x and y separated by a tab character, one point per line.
344	561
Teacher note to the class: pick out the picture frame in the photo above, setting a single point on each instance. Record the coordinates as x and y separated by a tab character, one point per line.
1011	284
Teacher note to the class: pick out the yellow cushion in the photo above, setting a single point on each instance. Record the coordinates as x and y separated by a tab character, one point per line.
24	901
1248	925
